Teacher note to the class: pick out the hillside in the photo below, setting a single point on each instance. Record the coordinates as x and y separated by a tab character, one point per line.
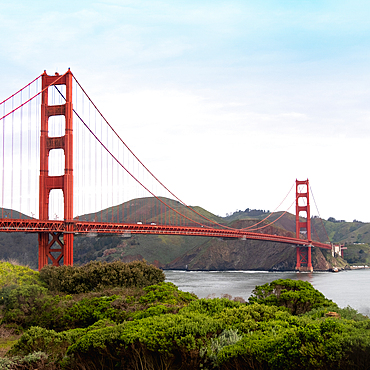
198	253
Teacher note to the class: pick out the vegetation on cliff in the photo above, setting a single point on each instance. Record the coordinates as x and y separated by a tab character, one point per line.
117	315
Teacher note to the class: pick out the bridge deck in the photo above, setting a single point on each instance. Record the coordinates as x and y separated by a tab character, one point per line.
79	227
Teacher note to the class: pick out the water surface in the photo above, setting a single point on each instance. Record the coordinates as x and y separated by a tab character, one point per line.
346	288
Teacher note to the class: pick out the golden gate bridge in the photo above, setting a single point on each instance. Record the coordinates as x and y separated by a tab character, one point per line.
66	171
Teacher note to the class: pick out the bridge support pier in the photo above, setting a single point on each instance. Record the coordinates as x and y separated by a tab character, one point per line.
57	247
304	262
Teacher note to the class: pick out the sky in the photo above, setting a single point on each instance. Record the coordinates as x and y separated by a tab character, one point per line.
226	102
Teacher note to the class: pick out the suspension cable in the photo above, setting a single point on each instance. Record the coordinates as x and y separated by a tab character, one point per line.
142	164
20	90
121	165
190	208
262	227
249	227
319	215
40	92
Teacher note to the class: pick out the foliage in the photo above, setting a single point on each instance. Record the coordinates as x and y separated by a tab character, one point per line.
277	340
215	345
12	275
298	296
247	318
347	313
209	307
167	339
31	361
166	293
23	303
284	326
99	275
34	306
301	344
357	254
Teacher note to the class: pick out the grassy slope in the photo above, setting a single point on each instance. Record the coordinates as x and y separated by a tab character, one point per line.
162	248
357	254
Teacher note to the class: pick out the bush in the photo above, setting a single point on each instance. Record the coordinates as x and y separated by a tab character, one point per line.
211	351
299	343
34	306
296	295
347	313
96	276
134	328
247	318
166	293
165	341
53	344
34	360
210	307
19	275
23	303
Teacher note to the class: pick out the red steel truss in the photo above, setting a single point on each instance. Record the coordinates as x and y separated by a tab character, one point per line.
124	229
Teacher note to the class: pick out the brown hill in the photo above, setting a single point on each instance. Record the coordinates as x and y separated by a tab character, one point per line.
232	254
176	252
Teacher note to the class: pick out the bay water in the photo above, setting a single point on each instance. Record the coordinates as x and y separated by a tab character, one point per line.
346	288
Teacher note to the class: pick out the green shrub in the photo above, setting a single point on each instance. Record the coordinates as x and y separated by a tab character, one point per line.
301	343
298	296
211	351
24	303
210	307
159	326
33	360
166	293
13	276
96	276
53	344
33	306
17	275
166	339
347	313
246	318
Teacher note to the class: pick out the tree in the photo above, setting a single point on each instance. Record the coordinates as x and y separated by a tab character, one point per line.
298	296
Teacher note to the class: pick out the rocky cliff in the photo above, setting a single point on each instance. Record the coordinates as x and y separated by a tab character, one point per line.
217	254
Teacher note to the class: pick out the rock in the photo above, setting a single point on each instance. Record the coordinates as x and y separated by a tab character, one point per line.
332	314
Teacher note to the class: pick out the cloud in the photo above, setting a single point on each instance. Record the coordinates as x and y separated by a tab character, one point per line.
224	100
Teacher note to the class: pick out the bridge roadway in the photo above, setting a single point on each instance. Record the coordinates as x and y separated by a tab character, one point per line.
80	227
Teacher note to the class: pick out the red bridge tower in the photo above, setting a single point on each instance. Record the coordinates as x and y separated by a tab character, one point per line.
303	252
56	246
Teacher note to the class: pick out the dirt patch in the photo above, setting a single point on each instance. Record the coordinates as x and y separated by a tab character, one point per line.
8	338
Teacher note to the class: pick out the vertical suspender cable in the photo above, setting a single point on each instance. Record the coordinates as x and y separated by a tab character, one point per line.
3	166
29	186
96	176
37	147
101	173
89	172
20	154
12	166
107	177
82	164
117	182
75	164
